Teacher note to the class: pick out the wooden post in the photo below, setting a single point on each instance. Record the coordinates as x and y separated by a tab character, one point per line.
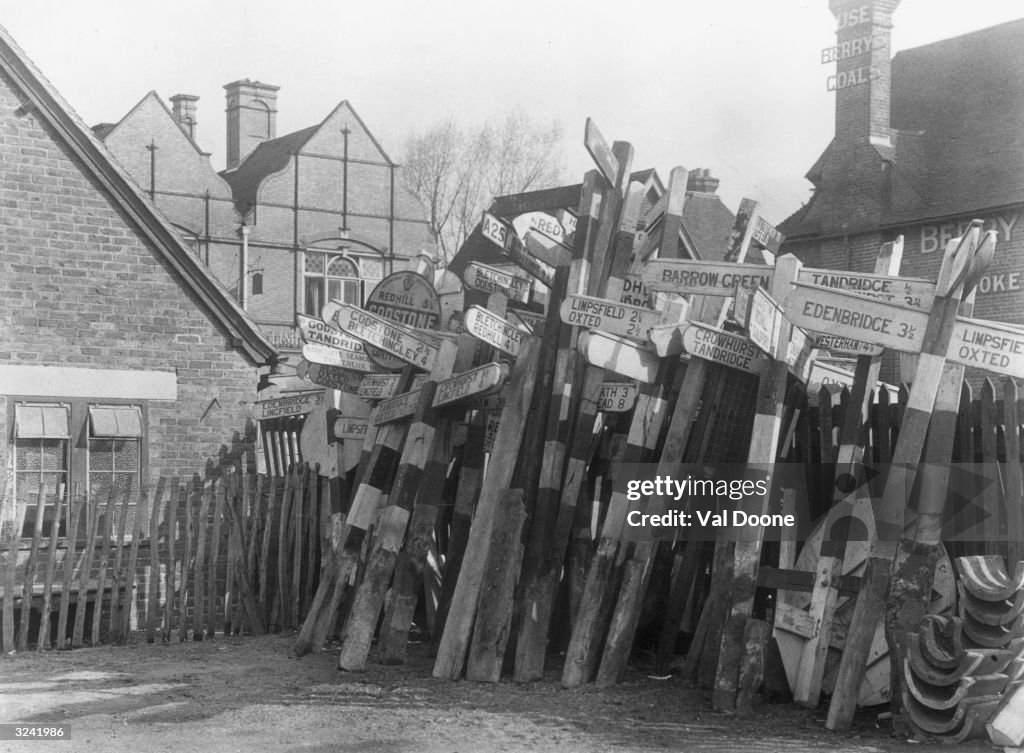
761	459
454	643
490	634
75	506
92	520
138	526
114	625
28	587
209	490
870	605
101	574
1012	474
43	637
849	477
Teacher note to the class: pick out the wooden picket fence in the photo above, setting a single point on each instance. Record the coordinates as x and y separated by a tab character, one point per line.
229	554
988	439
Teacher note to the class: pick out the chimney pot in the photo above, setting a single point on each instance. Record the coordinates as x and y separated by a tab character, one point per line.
700	181
184	111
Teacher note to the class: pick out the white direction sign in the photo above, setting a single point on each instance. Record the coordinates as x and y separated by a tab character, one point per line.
722	347
472	383
546	249
619	355
686	276
764	323
351	352
487	279
826	374
991	346
351	428
504	236
379	386
292	405
617	397
905	291
850	315
331	356
800	353
608	316
494	330
543	223
395	409
382	333
343	380
846	345
766	234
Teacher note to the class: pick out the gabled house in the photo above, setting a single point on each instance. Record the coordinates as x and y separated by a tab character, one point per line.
293	220
122	358
924	142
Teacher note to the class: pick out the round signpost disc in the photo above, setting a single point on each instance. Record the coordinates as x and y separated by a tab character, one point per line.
406	298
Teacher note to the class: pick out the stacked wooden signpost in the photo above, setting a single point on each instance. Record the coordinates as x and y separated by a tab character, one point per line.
509	460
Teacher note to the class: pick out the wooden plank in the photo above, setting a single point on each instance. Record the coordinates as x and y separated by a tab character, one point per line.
253	613
153	586
200	566
132	593
117	577
761	458
75	506
1012	473
59	513
101	573
31	565
264	572
212	576
490	634
10	567
455	639
84	570
300	506
192	498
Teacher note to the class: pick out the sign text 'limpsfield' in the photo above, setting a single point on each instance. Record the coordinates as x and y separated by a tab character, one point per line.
608	316
351	428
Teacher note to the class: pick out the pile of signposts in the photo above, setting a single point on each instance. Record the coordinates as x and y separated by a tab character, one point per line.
501	446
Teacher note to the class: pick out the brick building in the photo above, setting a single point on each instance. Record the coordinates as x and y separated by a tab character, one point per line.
294	220
122	359
924	142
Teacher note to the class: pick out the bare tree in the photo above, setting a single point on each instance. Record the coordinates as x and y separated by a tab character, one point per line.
456	172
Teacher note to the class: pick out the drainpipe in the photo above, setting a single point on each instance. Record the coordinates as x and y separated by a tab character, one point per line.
243	272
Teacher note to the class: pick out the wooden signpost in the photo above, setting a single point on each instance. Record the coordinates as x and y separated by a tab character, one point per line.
504	236
633	322
327	355
494	330
621	356
934	339
394	339
690	277
487	279
719	346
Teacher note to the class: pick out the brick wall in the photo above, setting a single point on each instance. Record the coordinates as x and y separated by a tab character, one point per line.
82	288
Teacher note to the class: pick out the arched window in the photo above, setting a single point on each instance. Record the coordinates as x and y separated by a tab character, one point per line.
330	277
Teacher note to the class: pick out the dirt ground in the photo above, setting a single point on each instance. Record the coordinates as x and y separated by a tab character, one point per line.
252	694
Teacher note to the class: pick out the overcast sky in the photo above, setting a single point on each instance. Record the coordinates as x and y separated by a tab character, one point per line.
732	85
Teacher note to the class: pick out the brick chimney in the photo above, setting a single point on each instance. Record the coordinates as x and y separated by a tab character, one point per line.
700	181
184	109
252	118
863	77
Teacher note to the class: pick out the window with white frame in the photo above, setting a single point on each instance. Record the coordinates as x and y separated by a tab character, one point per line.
337	276
42	459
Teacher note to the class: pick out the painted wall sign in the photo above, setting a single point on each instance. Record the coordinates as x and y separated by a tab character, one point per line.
845	79
292	405
722	347
935	237
617	397
853	17
386	335
471	383
851	48
849	315
608	316
488	279
494	330
343	359
397	408
686	276
351	428
335	378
